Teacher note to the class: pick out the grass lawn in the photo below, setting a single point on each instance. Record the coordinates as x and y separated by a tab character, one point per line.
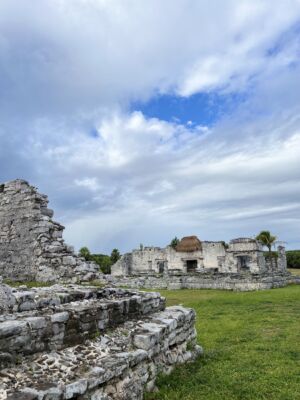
251	343
295	271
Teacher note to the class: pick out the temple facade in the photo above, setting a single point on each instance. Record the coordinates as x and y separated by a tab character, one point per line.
243	255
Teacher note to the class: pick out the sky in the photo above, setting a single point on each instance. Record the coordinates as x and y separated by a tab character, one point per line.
145	120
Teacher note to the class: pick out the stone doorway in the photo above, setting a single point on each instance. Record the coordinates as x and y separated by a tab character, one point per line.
243	262
191	265
161	267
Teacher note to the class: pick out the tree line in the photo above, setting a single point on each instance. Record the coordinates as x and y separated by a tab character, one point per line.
103	260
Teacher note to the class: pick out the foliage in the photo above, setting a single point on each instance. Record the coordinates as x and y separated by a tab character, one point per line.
85	253
266	239
103	260
293	258
174	242
294	271
251	344
269	255
115	256
226	245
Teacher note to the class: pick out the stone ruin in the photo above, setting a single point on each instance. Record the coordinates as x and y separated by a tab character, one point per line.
88	343
31	243
76	341
194	264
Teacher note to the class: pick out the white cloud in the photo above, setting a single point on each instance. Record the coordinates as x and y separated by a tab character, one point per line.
170	179
69	70
68	56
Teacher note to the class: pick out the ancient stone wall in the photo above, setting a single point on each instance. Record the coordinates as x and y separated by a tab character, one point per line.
92	344
213	253
31	243
52	319
204	280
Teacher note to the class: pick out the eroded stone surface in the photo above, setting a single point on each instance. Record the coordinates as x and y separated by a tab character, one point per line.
204	280
7	299
59	317
112	364
31	243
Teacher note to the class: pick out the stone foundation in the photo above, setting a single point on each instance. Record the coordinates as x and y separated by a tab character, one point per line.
204	280
88	343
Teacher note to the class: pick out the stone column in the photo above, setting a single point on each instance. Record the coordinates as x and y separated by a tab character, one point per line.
166	270
281	261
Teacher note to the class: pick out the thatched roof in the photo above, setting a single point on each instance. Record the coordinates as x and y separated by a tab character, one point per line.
189	244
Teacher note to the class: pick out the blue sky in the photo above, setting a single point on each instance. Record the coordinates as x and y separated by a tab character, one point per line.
198	109
146	120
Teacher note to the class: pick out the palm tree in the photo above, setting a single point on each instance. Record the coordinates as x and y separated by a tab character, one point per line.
266	239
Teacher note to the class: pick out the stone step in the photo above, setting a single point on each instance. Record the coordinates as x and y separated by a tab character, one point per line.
113	366
71	323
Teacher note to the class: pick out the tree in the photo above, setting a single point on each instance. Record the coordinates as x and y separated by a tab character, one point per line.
266	239
85	253
115	255
174	242
103	261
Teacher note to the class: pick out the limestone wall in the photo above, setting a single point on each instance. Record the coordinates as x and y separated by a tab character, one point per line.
147	259
116	367
39	321
205	280
213	254
50	349
31	243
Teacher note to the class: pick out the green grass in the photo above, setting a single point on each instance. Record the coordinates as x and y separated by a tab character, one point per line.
251	343
294	271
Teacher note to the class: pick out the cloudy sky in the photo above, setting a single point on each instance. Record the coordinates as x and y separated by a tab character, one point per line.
143	120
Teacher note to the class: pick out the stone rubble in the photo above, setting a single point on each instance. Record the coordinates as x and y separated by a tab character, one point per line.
31	243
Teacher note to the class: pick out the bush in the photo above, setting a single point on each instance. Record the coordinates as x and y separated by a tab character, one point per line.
293	258
104	261
269	255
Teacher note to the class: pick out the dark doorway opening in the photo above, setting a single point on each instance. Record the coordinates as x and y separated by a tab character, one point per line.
191	265
161	267
243	262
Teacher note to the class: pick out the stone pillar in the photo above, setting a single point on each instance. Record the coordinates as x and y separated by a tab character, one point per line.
166	270
281	261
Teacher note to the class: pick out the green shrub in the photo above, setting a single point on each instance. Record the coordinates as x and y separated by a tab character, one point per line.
293	258
272	255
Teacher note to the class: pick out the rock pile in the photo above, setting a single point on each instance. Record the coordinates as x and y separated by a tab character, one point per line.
31	243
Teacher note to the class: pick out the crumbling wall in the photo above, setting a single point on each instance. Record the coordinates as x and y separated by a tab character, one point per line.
31	243
48	341
204	280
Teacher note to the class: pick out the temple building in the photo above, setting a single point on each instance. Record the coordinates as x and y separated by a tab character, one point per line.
191	255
